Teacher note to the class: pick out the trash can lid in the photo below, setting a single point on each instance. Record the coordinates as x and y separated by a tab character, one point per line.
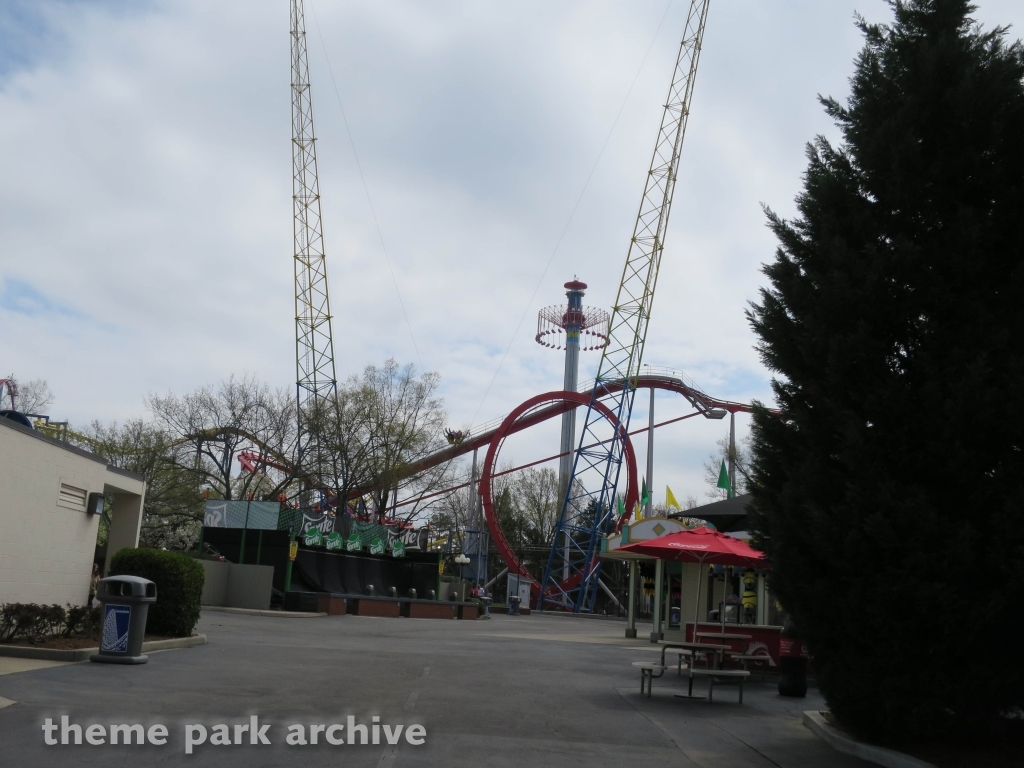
126	586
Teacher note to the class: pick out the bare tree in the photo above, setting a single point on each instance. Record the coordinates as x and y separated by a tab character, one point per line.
32	396
741	465
383	422
346	457
536	499
211	426
454	511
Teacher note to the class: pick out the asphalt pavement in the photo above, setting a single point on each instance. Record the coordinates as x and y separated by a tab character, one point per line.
509	691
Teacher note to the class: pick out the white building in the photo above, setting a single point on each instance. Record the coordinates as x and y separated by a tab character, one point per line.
47	530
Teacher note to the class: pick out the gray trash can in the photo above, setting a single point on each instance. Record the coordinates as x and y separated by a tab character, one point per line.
124	606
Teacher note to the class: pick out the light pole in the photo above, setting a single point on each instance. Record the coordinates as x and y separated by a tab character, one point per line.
650	458
732	451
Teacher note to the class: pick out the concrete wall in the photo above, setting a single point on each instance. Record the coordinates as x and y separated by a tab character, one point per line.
249	586
237	586
215	586
125	524
461	586
47	541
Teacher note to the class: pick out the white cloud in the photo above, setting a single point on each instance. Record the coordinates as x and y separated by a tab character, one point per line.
145	219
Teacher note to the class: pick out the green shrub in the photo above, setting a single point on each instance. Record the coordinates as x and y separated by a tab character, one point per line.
34	624
81	621
179	587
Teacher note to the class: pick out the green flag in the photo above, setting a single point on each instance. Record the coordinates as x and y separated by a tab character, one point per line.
645	496
622	506
723	479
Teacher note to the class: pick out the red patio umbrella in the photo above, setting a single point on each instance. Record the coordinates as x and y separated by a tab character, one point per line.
703	546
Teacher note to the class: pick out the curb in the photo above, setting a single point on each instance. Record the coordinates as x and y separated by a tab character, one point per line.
839	741
174	642
83	654
258	612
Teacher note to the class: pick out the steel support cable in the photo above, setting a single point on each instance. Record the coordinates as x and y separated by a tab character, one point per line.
572	214
366	190
586	514
521	467
560	238
671	383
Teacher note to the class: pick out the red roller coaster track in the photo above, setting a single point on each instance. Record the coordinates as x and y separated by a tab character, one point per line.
669	381
509	426
533	412
528	414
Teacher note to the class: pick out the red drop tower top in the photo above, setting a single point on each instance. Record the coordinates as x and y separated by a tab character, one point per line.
584	327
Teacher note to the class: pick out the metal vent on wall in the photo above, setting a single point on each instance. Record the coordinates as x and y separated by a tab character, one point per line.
70	497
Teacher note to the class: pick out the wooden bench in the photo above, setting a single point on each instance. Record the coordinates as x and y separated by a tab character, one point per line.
647	670
711	674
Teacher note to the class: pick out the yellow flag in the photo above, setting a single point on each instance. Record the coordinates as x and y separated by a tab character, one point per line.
638	512
670	500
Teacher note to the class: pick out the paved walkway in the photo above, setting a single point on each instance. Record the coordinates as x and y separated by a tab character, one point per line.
9	664
511	691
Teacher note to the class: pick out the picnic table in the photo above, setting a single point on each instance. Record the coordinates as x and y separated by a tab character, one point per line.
718	650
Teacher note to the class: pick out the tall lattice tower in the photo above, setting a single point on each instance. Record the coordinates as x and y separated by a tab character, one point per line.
588	510
314	345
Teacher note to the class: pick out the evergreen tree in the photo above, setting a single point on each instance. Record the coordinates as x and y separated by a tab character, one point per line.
889	491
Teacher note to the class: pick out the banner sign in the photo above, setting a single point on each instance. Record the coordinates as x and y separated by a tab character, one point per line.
313	537
320	531
415	539
323	523
255	515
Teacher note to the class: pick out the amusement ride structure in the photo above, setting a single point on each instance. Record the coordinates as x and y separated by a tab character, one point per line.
577	323
316	381
588	511
589	476
585	329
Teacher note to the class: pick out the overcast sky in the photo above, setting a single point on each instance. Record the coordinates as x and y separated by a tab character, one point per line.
145	184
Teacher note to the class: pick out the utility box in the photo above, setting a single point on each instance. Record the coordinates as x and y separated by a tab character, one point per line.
124	607
518	586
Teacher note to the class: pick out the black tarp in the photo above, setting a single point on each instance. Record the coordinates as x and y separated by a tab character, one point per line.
317	570
272	551
352	573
